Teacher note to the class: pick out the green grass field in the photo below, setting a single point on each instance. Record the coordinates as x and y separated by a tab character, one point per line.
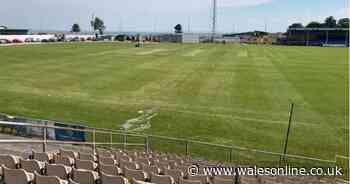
226	94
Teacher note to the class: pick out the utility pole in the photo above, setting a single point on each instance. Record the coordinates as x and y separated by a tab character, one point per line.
288	130
214	21
189	25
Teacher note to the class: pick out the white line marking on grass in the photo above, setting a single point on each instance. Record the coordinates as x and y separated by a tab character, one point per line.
152	51
103	53
193	53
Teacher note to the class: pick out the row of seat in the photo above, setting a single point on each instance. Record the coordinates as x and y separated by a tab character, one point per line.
114	167
119	168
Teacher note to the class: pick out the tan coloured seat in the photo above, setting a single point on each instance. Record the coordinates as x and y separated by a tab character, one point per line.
220	180
150	169
10	161
175	173
248	179
17	176
68	153
59	170
83	156
137	174
179	160
203	178
143	161
67	161
171	164
32	166
110	169
72	181
125	157
107	160
183	181
104	153
85	176
163	179
85	164
43	156
112	179
135	181
130	165
40	179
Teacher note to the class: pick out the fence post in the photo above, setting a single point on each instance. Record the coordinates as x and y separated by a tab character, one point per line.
44	138
125	141
186	148
111	140
94	140
147	144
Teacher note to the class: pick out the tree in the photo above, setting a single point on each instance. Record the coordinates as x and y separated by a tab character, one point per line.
296	25
178	28
330	22
75	28
97	24
343	23
314	25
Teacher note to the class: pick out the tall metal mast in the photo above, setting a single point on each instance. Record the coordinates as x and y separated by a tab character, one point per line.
214	20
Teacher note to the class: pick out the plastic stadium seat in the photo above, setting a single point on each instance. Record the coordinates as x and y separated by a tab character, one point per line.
137	174
219	180
184	169
32	166
85	164
163	179
59	170
65	160
135	181
39	179
203	178
83	156
130	165
179	161
72	181
183	181
118	154
17	176
43	156
85	176
162	165
248	179
10	161
171	163
175	173
143	161
111	179
107	160
125	157
150	169
67	153
104	153
110	169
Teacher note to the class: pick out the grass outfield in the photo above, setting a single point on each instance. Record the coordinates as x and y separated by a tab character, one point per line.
226	94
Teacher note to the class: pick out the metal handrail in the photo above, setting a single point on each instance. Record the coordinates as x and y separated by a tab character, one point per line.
66	142
90	130
146	136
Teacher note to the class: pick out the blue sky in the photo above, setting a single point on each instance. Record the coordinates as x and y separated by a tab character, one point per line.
162	15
